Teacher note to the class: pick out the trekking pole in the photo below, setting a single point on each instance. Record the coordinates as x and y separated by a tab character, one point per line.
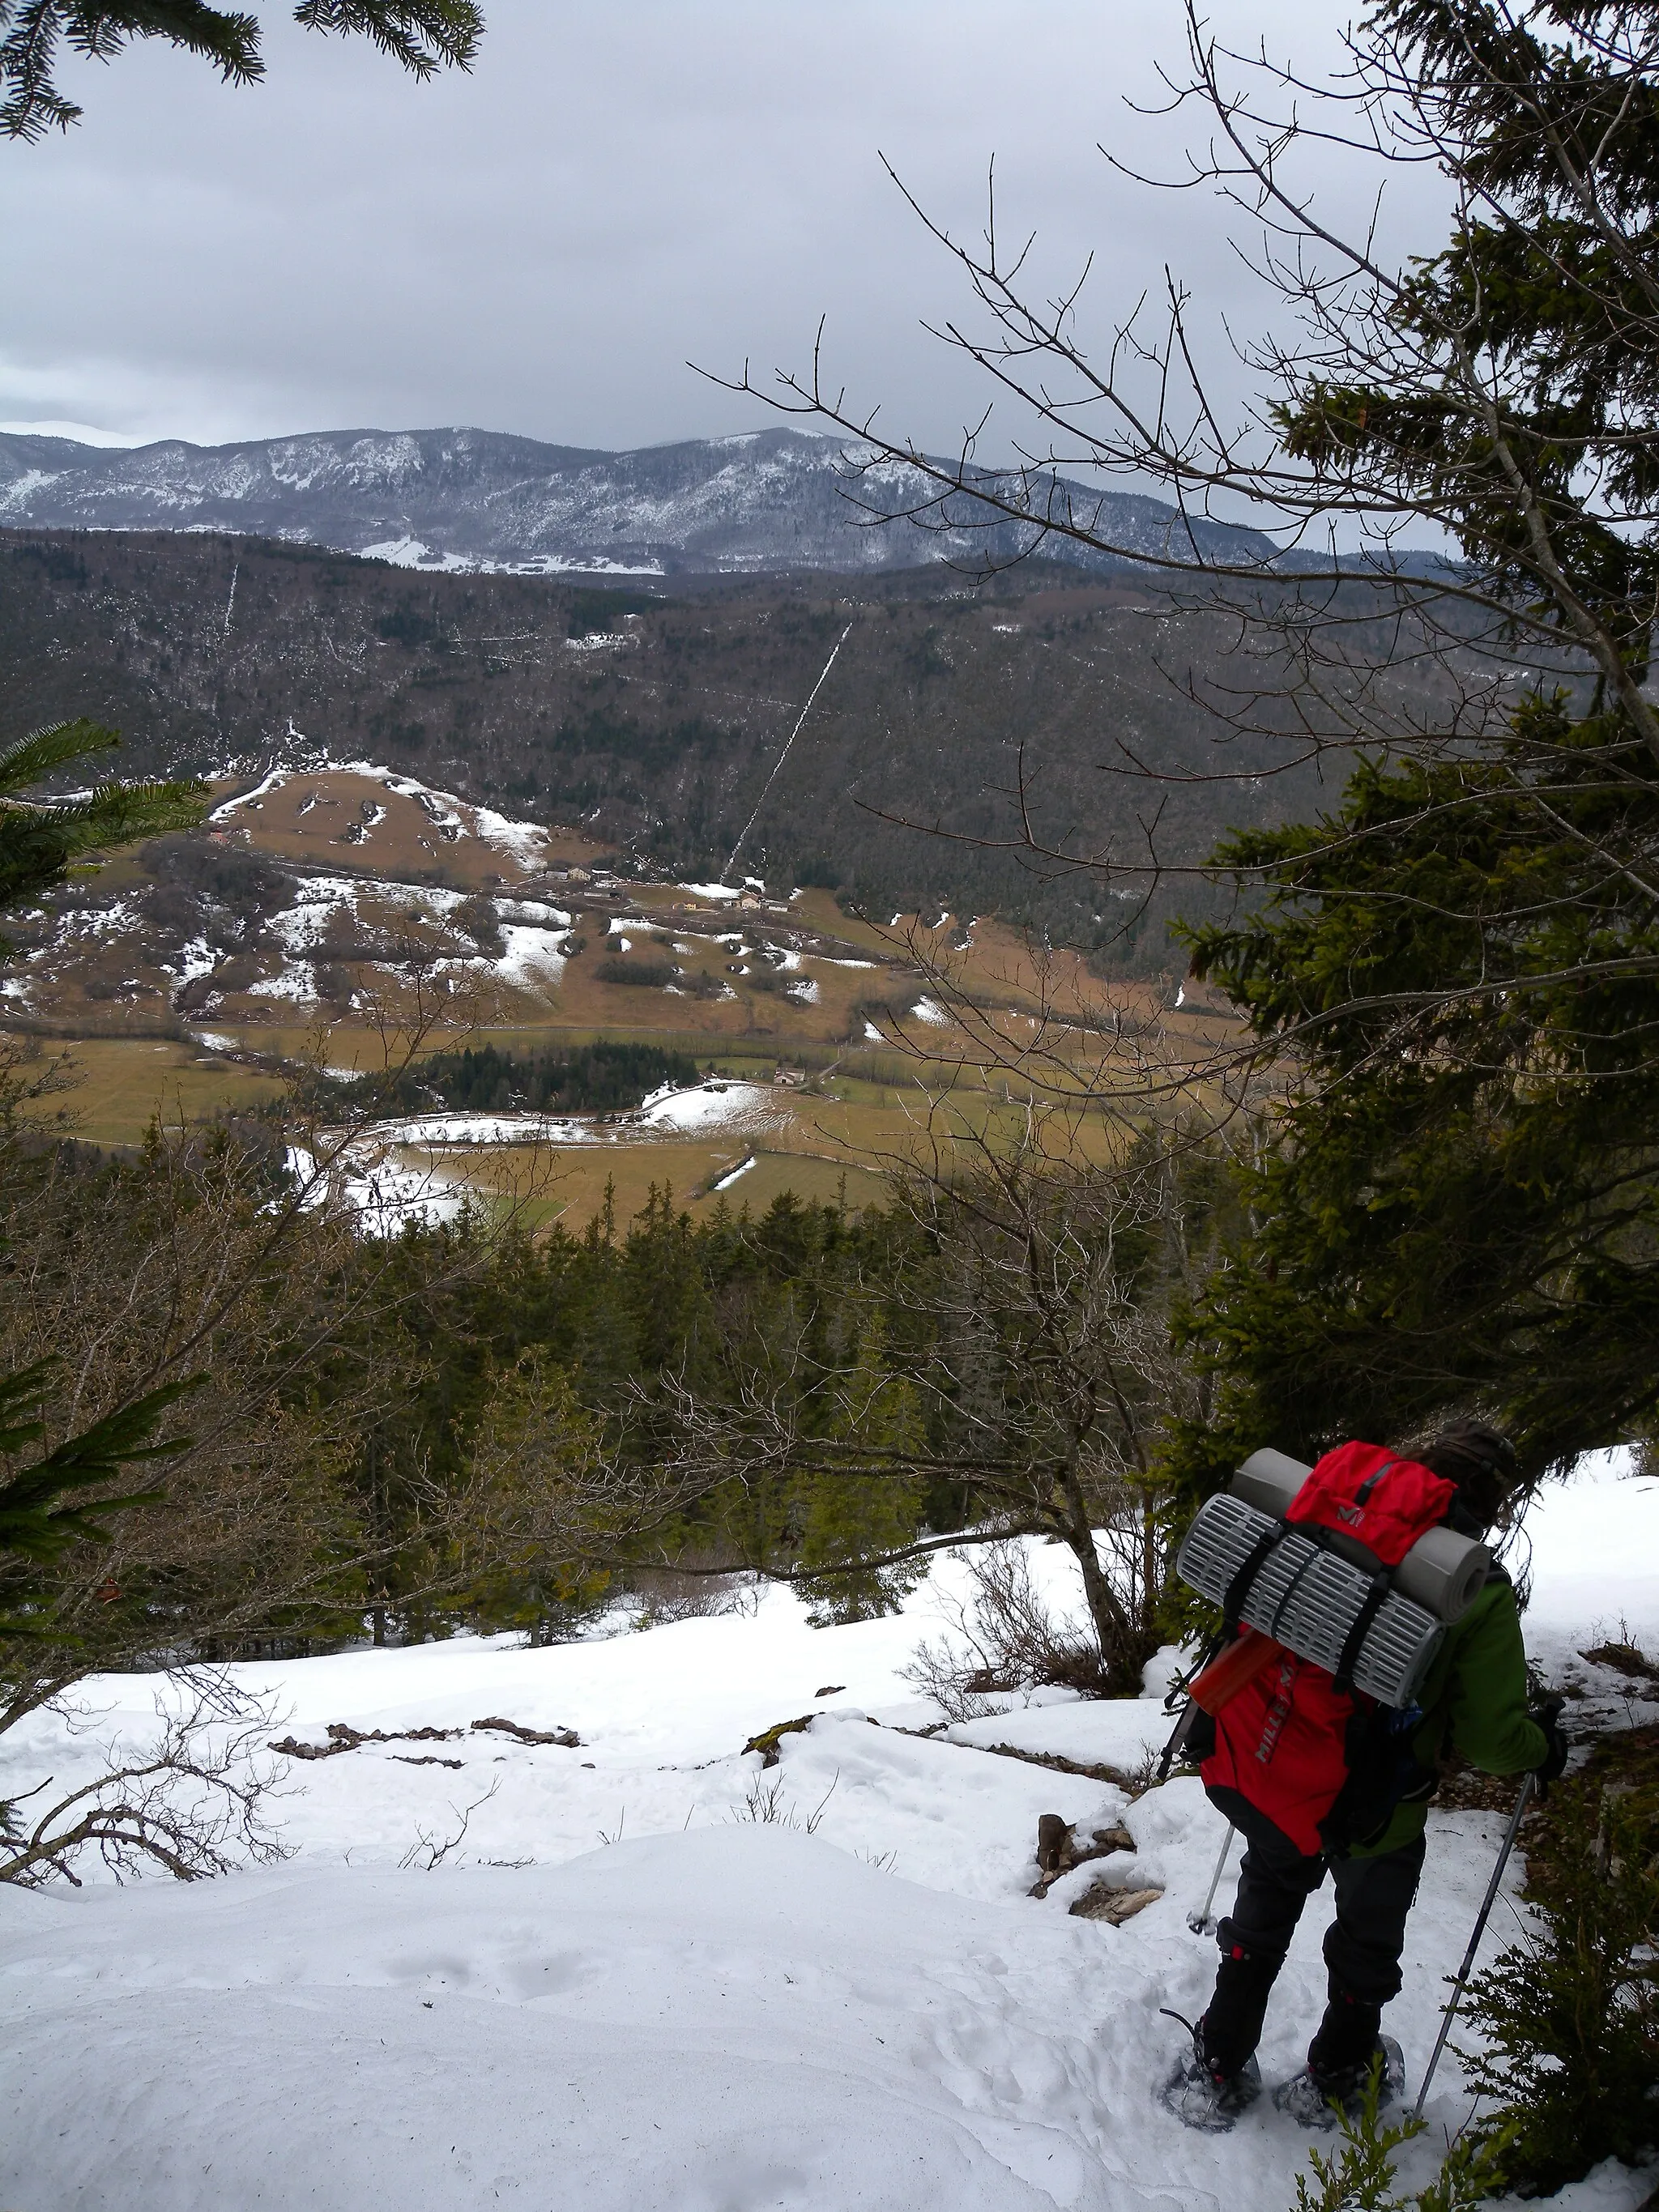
1467	1966
1200	1923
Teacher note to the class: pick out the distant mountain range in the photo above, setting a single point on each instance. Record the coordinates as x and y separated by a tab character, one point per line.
772	502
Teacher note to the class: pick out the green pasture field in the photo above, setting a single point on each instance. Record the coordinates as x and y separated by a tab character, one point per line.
119	1085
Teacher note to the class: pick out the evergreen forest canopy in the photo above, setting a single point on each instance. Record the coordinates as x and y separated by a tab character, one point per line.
467	1426
1463	1208
595	1078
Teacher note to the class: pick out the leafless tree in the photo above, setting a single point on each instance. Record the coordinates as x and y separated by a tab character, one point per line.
1401	397
1001	1637
1039	1377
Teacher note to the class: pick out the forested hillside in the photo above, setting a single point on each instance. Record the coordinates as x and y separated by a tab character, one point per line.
769	502
655	717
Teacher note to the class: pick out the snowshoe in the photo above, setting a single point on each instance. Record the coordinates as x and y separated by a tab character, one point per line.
1201	2097
1312	2102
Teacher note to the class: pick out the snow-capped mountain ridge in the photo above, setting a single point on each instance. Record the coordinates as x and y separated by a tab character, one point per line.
763	500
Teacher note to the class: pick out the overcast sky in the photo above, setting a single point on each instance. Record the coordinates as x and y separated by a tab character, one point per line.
618	186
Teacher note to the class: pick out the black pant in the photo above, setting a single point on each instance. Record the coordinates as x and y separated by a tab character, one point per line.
1361	1945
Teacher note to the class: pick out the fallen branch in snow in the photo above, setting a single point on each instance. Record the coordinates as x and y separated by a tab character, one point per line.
1133	1783
567	1739
1114	1906
191	1805
342	1736
1057	1763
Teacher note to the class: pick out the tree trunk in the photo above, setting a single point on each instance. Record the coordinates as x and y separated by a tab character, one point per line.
1111	1630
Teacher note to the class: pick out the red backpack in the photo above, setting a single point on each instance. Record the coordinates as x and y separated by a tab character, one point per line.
1290	1741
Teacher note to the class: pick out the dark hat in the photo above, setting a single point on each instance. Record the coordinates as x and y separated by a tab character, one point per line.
1480	1460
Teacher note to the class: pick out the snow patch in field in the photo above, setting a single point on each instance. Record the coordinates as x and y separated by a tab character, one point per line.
196	959
562	564
295	980
412	553
384	1195
666	1112
929	1010
524	841
407	552
532	910
272	781
711	891
115	920
428	1130
736	1105
532	957
733	1175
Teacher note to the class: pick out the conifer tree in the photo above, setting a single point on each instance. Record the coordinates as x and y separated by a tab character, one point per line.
1461	960
43	1503
423	35
1452	973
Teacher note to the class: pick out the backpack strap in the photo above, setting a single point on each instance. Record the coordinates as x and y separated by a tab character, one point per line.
1239	1588
1363	1494
1293	1585
1356	1636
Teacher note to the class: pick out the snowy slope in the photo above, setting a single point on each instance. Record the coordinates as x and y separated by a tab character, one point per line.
711	2012
466	498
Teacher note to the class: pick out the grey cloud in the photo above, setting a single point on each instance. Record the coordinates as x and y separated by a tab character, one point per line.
539	247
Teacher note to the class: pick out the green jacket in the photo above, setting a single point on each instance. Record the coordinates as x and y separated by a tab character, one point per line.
1475	1702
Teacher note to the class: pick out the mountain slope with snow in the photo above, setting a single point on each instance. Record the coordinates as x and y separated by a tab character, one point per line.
627	1989
774	500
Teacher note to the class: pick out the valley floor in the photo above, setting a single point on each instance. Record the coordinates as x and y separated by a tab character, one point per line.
626	1985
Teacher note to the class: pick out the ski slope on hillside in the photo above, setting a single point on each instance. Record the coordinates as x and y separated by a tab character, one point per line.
621	1989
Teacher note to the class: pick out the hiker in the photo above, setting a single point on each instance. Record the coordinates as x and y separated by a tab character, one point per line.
1319	1781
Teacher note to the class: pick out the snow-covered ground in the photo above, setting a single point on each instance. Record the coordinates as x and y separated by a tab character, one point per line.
623	1989
706	1109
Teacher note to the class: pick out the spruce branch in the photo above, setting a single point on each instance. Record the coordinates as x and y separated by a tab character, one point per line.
422	35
